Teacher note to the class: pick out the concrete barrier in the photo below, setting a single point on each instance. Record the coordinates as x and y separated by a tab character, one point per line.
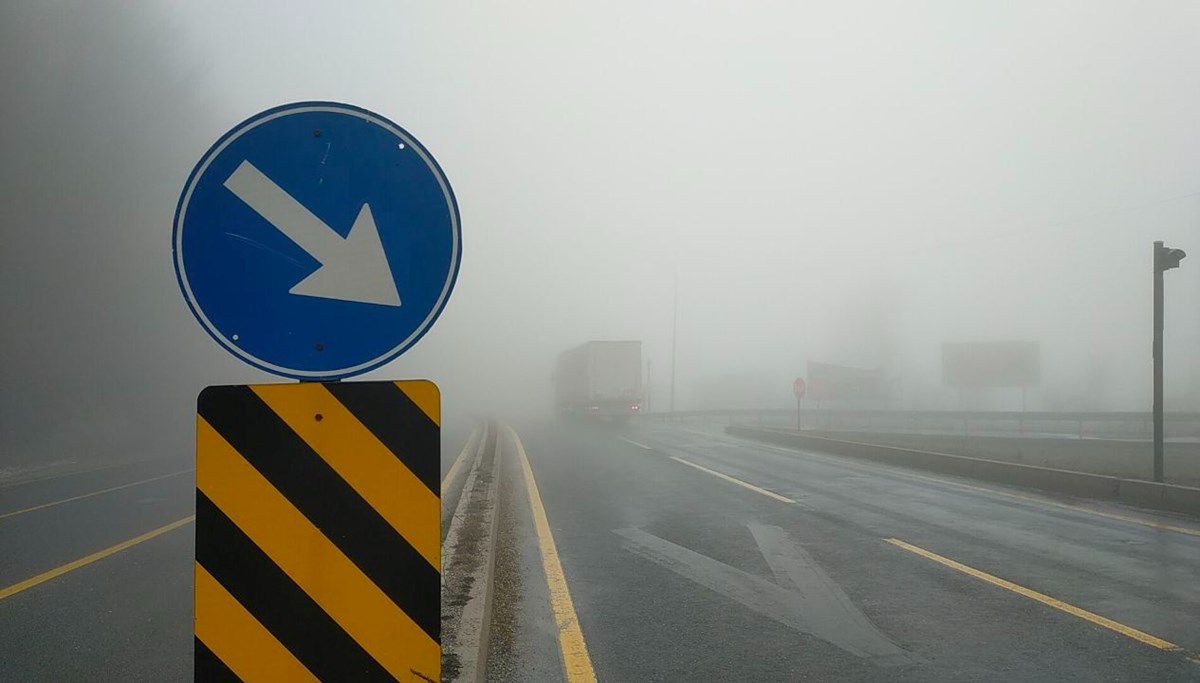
1141	493
468	564
1147	494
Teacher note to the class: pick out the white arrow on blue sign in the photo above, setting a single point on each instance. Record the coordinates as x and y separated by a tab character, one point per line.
317	240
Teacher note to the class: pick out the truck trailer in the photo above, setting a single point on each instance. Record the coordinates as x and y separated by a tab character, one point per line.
601	379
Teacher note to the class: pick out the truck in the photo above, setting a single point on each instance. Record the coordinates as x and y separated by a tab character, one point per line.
600	379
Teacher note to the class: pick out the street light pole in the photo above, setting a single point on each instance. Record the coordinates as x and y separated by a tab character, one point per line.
1165	258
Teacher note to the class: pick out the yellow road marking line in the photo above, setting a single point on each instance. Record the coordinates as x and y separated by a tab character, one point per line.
238	639
457	465
739	482
1124	630
99	555
359	458
304	553
94	493
576	663
639	445
1017	496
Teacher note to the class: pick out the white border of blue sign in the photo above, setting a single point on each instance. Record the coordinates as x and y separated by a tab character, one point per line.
299	108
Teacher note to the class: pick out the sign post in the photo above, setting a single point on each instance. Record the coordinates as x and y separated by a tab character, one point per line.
798	389
317	241
1165	258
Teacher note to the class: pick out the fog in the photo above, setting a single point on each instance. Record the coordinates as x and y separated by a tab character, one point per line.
853	183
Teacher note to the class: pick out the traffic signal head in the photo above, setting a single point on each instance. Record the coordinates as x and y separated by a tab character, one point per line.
1166	258
1172	257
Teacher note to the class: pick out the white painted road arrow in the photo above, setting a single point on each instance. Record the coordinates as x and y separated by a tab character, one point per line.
352	269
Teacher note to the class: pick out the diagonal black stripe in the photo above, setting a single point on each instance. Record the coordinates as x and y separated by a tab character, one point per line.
281	606
209	668
397	422
331	504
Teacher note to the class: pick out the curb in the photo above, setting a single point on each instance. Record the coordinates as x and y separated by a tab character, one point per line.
469	558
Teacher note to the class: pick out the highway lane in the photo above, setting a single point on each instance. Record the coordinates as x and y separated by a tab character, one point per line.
688	556
694	556
126	615
123	616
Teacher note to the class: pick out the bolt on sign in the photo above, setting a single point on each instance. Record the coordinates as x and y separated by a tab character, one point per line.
317	532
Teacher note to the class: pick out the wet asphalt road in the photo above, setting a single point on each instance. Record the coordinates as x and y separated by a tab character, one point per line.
679	574
127	616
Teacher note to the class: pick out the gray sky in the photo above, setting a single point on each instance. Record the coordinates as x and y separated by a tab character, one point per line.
839	181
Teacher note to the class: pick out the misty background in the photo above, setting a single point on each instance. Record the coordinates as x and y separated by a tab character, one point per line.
846	182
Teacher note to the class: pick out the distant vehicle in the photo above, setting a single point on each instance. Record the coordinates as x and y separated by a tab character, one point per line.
600	378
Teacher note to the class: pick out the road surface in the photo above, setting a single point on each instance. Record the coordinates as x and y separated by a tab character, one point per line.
658	553
695	556
121	616
96	571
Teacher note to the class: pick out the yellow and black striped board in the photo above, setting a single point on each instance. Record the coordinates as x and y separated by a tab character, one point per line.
318	541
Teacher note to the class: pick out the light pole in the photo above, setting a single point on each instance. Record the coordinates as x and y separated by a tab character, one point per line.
1165	258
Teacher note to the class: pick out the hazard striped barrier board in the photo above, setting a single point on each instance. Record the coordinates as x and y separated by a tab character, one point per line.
318	547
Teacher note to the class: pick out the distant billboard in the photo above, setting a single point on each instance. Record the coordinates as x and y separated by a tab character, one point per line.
829	382
991	364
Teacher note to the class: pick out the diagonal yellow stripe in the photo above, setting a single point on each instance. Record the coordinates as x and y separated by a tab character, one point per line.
311	560
1057	604
362	460
238	639
426	396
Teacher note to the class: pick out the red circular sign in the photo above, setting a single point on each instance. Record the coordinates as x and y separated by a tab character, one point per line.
798	387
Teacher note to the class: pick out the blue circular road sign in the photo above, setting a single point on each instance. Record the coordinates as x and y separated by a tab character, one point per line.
317	240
